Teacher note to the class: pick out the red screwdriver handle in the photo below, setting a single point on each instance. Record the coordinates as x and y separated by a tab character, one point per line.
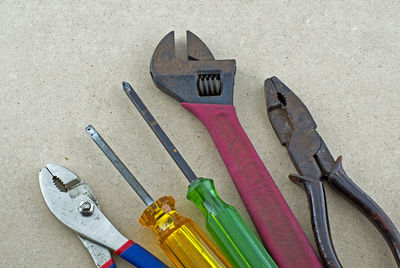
275	222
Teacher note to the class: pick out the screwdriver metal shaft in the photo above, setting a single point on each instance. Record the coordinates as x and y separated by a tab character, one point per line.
119	165
166	142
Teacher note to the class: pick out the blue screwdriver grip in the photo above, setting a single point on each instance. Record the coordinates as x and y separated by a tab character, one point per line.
138	256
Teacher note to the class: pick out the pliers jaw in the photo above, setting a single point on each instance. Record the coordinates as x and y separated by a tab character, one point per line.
286	111
276	105
60	187
294	126
74	204
199	79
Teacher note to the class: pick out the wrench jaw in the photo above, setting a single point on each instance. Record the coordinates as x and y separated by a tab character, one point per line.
200	79
164	53
162	66
196	49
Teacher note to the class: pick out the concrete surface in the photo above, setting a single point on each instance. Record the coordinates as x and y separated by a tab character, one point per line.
62	63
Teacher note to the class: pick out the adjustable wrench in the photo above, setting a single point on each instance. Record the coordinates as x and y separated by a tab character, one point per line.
204	86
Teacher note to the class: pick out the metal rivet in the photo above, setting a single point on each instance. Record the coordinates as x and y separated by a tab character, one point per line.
86	208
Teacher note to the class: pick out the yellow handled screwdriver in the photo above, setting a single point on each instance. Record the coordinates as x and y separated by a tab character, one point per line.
178	236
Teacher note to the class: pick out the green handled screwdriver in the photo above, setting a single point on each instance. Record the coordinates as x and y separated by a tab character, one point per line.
235	238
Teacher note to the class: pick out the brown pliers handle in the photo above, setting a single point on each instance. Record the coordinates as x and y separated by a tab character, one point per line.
339	180
342	183
319	219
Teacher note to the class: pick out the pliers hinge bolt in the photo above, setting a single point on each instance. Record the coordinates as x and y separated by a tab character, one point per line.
86	208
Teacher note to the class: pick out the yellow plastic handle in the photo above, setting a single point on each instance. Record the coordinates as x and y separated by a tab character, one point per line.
179	237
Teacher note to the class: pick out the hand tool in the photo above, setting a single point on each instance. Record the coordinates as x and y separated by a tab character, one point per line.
74	204
296	129
204	86
227	227
179	237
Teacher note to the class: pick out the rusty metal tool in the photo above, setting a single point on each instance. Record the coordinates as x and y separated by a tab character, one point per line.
296	129
204	86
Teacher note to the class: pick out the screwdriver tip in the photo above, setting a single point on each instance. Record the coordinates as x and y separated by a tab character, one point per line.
126	86
90	130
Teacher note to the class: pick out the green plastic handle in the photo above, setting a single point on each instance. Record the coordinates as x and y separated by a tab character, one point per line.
234	237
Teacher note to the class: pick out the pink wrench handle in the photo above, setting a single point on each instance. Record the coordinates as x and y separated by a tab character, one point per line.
275	222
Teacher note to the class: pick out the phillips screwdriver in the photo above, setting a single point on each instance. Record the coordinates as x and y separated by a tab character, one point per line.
227	227
179	237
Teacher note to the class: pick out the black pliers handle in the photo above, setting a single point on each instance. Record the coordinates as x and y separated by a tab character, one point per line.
296	129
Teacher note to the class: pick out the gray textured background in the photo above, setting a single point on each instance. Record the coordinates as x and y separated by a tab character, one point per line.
62	63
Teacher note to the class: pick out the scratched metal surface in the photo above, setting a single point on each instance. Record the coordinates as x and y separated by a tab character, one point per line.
62	64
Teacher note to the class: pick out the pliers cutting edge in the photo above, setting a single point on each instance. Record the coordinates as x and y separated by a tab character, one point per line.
73	203
296	129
